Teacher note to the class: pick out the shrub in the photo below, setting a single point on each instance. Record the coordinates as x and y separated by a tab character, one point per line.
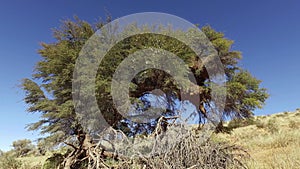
272	126
281	115
293	124
236	123
8	161
260	124
54	161
23	147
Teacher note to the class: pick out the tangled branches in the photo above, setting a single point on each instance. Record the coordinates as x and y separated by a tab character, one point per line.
180	146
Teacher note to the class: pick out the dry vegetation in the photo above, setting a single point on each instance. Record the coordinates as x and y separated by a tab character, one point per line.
273	141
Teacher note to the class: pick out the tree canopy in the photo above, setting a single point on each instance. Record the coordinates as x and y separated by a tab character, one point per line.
49	92
22	147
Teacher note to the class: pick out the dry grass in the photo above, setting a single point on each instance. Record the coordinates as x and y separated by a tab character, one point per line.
274	142
32	162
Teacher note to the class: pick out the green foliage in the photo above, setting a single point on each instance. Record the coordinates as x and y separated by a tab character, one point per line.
237	122
52	97
54	161
244	95
22	147
49	92
45	145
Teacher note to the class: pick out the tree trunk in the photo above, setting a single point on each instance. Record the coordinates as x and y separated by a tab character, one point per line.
80	153
220	127
89	153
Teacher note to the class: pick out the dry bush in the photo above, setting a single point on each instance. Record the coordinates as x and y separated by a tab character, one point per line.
190	151
271	125
294	125
8	161
260	124
180	146
189	154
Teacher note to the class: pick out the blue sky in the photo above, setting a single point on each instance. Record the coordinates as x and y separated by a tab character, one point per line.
267	33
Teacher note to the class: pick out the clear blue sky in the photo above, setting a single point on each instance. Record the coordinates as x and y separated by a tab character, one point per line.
267	32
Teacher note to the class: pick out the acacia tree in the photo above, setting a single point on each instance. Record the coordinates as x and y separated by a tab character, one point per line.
50	90
22	147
